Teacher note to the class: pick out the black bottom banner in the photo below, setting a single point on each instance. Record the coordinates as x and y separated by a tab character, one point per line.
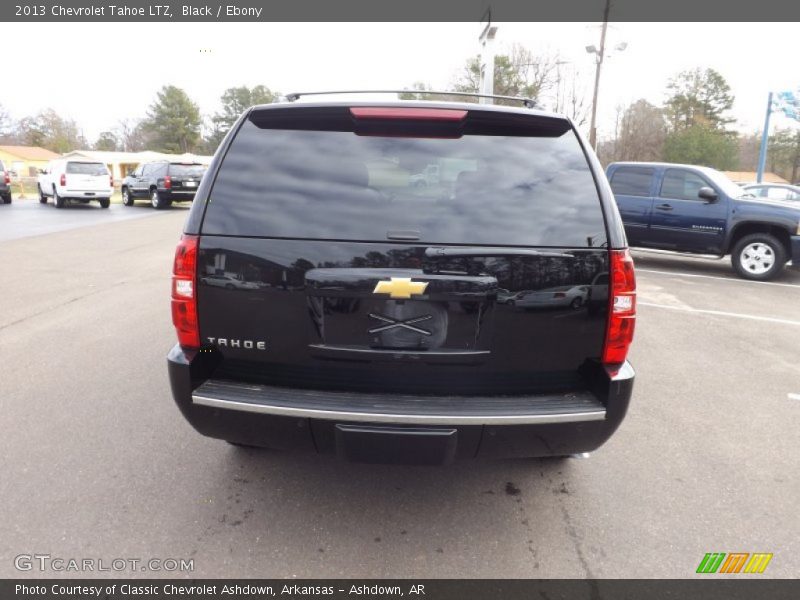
381	589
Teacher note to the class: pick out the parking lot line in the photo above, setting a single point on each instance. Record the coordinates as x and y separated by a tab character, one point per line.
721	313
732	280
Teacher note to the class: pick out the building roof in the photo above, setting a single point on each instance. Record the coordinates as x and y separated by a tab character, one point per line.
29	152
750	177
136	157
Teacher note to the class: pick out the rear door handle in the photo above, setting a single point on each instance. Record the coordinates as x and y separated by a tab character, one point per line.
664	207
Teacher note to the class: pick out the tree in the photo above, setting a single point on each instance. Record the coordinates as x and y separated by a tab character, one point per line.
571	97
106	141
749	146
173	121
519	73
235	101
698	97
132	135
701	145
29	132
423	87
642	132
6	124
49	130
784	152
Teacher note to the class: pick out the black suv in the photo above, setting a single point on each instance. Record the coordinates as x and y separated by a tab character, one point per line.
373	325
162	182
5	184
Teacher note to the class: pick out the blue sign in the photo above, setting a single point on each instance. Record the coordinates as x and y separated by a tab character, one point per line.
788	103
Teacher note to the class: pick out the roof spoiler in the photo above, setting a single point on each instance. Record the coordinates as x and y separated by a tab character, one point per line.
527	102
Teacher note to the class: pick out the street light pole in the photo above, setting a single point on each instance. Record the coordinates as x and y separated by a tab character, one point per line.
486	61
598	66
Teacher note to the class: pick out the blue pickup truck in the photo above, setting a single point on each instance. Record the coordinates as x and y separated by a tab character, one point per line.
697	210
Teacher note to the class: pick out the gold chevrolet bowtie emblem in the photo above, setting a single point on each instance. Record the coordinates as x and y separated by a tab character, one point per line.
400	288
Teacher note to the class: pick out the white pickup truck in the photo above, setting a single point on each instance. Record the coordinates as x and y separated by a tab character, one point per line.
80	180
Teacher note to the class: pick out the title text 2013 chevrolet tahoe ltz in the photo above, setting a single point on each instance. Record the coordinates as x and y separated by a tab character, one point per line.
324	301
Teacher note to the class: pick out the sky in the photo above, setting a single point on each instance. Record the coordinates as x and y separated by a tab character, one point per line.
112	71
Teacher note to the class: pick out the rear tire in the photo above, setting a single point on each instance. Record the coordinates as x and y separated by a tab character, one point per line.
58	201
158	201
42	197
7	199
105	202
247	446
127	197
758	256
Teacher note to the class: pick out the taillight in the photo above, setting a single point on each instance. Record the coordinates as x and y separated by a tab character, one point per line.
63	180
6	177
559	295
167	182
621	307
111	181
184	302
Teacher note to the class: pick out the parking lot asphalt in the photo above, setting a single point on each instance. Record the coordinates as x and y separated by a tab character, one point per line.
97	462
25	218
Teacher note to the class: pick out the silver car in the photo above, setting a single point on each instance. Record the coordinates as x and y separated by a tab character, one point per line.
774	191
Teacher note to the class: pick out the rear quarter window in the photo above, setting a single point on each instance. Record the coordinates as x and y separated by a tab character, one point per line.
476	189
632	181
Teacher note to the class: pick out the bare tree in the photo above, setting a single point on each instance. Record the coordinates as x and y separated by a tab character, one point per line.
518	73
642	132
6	125
131	135
749	145
571	93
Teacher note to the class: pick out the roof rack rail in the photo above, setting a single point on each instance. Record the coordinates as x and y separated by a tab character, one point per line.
527	102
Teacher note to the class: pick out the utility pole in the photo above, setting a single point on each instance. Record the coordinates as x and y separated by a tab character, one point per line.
598	66
486	63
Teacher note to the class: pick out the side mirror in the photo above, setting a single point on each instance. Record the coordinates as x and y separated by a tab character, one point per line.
707	193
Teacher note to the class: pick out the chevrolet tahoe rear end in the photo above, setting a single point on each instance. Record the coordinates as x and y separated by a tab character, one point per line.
364	319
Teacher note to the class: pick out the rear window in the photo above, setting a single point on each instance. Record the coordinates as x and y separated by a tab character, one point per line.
82	168
494	187
180	170
632	181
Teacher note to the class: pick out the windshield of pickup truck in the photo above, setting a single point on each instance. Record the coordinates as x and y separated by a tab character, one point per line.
728	187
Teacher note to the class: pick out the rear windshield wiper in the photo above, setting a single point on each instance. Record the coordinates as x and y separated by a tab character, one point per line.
438	251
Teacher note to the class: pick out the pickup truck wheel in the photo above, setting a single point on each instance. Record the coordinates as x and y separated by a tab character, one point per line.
105	202
7	198
127	197
58	201
42	197
758	256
